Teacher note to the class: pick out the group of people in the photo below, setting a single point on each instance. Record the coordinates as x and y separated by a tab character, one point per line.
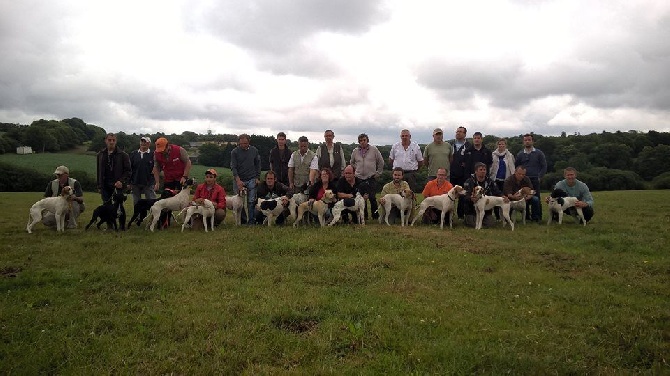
458	162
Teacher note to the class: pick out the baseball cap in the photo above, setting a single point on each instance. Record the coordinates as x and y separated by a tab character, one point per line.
161	144
145	139
436	131
211	171
60	170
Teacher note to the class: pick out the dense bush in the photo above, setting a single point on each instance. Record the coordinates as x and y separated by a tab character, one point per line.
17	179
661	181
599	179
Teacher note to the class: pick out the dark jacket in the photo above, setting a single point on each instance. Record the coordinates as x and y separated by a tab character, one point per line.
142	168
279	163
473	156
458	170
490	189
113	167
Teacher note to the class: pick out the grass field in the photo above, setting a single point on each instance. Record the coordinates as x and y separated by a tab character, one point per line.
344	300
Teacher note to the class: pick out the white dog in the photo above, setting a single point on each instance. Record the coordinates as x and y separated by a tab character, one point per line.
59	205
560	204
271	208
294	202
318	208
520	205
485	203
237	204
207	211
404	201
445	203
175	203
358	207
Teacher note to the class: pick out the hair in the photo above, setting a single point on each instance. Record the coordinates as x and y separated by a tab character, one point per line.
520	167
270	172
569	169
328	130
303	139
281	134
441	168
363	135
328	171
529	135
406	130
502	139
464	129
478	165
477	134
110	135
398	169
352	167
244	136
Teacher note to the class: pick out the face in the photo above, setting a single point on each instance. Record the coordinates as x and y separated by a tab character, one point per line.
405	136
480	172
477	140
270	180
110	141
324	176
210	179
519	174
281	141
303	146
244	143
349	173
363	142
528	141
397	176
329	136
144	145
502	145
460	133
441	175
570	176
62	177
437	137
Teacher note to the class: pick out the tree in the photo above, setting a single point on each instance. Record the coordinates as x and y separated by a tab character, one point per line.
653	161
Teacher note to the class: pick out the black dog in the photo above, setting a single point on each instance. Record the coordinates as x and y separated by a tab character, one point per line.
110	211
141	208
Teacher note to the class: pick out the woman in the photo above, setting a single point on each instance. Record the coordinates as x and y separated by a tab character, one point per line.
501	168
324	183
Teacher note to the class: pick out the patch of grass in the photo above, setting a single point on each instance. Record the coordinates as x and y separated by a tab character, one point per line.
348	299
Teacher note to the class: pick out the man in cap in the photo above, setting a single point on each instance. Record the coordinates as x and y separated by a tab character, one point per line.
55	187
173	160
438	154
142	166
213	192
113	168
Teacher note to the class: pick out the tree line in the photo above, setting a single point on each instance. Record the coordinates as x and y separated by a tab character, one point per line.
606	160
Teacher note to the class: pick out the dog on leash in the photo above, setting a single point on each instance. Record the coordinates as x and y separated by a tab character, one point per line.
559	202
485	203
520	205
404	201
356	205
237	204
206	210
445	203
59	205
318	208
111	212
175	203
142	207
271	208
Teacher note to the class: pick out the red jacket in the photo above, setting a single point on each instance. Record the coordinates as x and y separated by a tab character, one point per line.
173	167
217	195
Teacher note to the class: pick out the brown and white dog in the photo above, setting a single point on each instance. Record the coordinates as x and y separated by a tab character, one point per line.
59	205
176	203
237	204
485	203
206	210
560	204
445	203
358	207
520	205
404	201
318	208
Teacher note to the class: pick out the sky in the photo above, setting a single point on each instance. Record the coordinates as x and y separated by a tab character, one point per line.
503	68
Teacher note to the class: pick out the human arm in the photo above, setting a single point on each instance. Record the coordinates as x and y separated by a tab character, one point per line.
183	156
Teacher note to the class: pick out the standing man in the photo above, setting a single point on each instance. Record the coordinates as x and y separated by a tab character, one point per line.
407	155
438	154
331	155
55	187
279	157
397	185
369	165
477	153
458	169
536	166
113	168
438	186
303	167
142	166
173	160
576	188
245	163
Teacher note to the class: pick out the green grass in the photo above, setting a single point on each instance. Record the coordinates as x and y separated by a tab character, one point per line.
344	300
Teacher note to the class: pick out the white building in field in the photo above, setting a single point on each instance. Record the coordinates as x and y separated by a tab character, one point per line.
24	150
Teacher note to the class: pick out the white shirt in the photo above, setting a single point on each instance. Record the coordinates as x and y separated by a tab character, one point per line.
407	159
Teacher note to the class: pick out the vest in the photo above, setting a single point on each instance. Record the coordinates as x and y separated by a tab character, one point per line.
301	168
55	186
324	159
173	168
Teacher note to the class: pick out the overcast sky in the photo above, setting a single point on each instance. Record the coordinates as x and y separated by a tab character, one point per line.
303	66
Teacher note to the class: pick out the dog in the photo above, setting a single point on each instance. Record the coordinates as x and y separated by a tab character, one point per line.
357	206
175	203
445	203
404	201
141	208
520	205
237	204
110	211
271	208
559	202
59	205
485	203
206	210
318	208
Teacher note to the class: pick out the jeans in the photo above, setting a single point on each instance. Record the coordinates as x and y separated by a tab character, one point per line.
251	198
139	190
